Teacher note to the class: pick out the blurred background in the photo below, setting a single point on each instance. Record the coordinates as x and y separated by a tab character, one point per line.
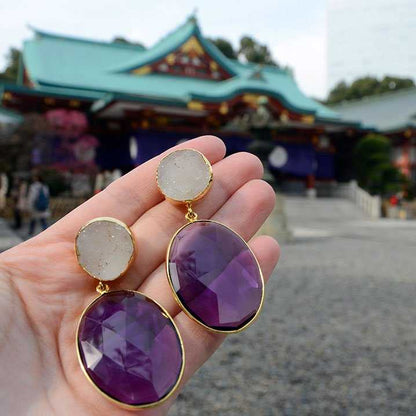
322	91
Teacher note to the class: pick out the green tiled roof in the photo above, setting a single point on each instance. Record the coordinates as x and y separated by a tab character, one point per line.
8	116
97	68
170	43
386	112
53	92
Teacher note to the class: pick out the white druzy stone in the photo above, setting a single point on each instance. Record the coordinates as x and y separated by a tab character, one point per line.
183	175
104	249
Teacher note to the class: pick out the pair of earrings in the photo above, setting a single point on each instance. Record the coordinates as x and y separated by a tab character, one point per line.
128	345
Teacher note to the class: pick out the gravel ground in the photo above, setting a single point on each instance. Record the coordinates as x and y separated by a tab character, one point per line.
337	334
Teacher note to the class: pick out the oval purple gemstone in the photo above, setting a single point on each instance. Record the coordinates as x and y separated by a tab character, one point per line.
129	348
215	275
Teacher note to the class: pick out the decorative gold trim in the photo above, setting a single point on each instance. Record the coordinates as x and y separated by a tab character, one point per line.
182	306
195	105
308	119
170	59
251	99
115	221
49	101
143	70
201	194
224	108
192	45
122	404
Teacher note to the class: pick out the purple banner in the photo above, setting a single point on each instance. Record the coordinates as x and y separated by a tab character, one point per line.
294	159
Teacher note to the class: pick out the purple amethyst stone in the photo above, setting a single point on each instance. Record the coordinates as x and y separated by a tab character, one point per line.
129	348
215	275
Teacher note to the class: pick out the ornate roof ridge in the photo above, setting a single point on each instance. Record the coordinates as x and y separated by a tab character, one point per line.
174	39
44	34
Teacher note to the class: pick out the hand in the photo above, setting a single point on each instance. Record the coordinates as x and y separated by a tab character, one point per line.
43	291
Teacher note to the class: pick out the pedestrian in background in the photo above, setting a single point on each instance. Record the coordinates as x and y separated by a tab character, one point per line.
38	204
4	187
19	194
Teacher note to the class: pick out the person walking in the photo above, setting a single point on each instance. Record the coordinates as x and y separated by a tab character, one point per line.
38	204
4	187
18	194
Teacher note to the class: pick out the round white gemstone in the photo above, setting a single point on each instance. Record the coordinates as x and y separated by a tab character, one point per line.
183	175
104	249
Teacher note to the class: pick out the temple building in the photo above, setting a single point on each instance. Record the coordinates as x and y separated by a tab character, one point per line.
392	114
125	103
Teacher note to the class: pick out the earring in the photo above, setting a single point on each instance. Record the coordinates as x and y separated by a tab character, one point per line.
215	277
127	344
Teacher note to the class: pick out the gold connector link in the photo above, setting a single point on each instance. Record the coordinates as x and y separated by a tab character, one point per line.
191	215
102	288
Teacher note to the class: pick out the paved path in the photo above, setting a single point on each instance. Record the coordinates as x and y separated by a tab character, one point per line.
338	332
8	238
337	335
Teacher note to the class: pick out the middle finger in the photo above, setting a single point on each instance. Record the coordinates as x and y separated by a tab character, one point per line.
154	229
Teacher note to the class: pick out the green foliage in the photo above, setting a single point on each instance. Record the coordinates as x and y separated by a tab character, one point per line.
120	39
394	83
338	93
11	71
250	50
375	173
225	47
255	52
365	87
411	190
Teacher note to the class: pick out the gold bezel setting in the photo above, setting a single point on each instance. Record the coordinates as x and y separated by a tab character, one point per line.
201	194
183	307
114	221
127	406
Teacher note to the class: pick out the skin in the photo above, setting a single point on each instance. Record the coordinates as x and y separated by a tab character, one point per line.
43	291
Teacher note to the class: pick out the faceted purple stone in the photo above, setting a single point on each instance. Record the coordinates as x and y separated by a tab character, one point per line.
129	348
215	275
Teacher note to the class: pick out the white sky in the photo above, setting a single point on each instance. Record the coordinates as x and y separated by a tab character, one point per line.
294	30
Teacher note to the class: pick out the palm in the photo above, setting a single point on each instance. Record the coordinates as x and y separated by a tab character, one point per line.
43	291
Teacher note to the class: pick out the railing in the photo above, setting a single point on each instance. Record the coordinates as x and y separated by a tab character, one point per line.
370	204
59	206
277	225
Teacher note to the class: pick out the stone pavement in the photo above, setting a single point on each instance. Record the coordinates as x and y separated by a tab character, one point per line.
337	335
8	238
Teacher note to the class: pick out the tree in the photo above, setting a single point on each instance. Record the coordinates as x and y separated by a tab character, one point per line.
255	52
11	71
362	87
374	170
394	83
120	39
250	50
338	93
225	47
365	87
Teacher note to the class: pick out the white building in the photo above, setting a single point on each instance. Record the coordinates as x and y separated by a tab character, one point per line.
370	37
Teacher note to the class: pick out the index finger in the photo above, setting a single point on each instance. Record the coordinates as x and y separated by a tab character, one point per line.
133	194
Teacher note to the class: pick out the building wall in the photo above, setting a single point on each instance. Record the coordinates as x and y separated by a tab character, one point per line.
370	37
